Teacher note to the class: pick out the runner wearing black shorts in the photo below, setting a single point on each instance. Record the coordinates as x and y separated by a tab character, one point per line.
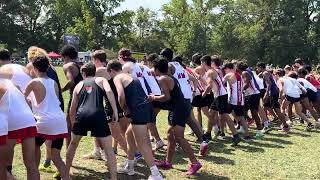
87	113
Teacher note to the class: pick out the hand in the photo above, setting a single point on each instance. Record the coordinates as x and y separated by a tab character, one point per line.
150	97
115	117
203	94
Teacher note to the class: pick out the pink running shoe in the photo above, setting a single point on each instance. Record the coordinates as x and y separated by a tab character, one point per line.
204	148
193	168
163	164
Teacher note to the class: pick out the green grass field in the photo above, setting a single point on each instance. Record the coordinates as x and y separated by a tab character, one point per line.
276	156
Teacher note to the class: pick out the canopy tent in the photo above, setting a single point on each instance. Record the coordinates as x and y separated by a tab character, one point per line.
54	55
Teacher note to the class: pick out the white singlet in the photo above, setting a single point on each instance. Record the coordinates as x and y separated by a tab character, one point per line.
182	76
19	77
19	113
307	85
50	118
218	88
151	80
291	87
4	102
136	73
259	81
235	91
252	89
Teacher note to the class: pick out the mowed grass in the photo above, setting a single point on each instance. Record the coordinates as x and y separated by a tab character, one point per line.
276	156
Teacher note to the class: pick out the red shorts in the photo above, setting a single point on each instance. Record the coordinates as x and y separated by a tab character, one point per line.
21	134
3	140
53	137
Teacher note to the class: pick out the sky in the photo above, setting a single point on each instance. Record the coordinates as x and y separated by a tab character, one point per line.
154	5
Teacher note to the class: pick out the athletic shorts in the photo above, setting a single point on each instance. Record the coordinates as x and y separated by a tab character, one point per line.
237	109
24	133
160	105
97	124
292	100
3	140
56	144
199	101
222	104
142	115
179	116
109	114
252	102
272	102
262	93
312	96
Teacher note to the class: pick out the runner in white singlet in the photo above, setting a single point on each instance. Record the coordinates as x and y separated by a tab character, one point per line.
236	97
4	101
290	91
51	121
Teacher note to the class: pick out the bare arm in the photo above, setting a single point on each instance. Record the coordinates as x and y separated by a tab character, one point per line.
266	78
194	81
111	99
171	70
70	79
120	90
165	91
74	104
246	80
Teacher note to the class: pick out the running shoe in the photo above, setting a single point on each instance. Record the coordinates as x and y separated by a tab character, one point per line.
241	130
159	177
204	148
163	164
235	140
194	168
207	137
247	139
221	136
266	129
93	155
259	134
47	169
286	130
124	169
310	127
159	144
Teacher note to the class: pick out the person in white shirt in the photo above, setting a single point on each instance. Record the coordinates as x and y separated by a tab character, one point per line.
51	121
22	125
290	92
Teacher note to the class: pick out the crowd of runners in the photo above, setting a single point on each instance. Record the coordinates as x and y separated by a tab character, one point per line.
118	102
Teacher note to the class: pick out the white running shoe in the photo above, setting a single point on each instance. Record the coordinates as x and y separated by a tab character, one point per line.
124	169
158	145
159	177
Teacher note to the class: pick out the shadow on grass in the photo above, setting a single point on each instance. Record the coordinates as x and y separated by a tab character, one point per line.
218	160
276	140
204	175
258	143
247	148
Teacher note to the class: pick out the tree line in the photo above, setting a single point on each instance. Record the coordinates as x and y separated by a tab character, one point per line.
274	31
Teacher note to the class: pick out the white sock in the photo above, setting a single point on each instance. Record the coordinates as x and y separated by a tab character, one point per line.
154	170
96	150
130	164
266	123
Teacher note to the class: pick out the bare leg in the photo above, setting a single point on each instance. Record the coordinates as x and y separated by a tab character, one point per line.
68	139
116	134
298	108
140	133
306	104
196	128
199	116
179	137
124	124
153	127
56	158
28	150
131	145
212	118
225	118
171	148
75	139
37	155
255	116
111	158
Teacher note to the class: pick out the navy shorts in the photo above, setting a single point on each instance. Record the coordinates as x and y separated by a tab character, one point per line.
237	109
272	102
252	102
221	104
142	114
292	100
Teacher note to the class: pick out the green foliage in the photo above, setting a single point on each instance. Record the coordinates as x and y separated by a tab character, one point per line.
256	30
